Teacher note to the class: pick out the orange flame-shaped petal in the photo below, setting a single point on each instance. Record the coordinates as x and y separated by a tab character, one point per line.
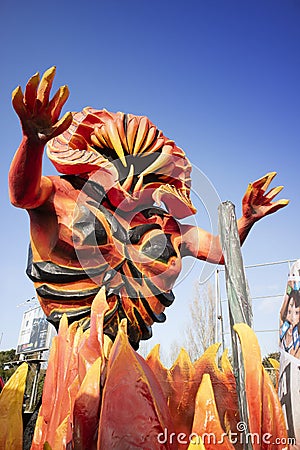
183	393
207	423
253	378
86	409
134	412
223	383
162	374
273	423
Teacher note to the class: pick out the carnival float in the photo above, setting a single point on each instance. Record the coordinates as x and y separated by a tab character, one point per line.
106	247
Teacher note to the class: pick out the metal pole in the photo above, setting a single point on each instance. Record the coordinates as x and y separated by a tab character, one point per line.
221	313
216	304
239	302
33	394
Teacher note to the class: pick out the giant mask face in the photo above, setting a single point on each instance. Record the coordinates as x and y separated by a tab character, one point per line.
129	184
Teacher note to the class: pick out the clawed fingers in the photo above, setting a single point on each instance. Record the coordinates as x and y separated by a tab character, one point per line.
264	182
61	125
58	101
247	199
260	186
39	116
257	203
18	103
44	88
272	193
31	92
276	206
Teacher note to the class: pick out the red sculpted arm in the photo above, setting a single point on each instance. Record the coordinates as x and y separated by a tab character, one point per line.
40	122
256	204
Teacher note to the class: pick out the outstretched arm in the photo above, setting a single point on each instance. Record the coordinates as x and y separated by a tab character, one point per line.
40	122
256	204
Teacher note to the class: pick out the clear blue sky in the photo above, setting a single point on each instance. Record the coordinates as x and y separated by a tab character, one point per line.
221	78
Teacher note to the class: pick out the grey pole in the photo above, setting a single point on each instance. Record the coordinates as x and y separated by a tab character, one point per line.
239	302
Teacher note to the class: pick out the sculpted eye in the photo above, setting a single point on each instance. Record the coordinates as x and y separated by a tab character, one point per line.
91	230
136	233
159	248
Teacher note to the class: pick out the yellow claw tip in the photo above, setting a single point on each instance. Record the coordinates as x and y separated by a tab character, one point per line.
123	160
16	91
68	117
49	72
249	187
65	89
17	95
34	77
269	176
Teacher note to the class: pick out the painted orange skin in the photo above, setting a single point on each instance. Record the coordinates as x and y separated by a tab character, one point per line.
131	166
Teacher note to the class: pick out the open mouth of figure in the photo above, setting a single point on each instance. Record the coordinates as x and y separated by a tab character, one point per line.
134	147
133	160
135	168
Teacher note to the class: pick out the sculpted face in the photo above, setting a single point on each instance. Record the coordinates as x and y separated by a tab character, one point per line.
116	205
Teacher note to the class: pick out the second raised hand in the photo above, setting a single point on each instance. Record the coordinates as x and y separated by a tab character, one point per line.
257	203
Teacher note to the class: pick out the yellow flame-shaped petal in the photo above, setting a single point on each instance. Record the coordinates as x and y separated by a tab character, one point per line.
11	402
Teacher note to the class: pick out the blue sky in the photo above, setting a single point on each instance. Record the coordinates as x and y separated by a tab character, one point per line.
221	78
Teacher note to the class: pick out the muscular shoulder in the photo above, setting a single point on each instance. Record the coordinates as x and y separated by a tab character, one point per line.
59	189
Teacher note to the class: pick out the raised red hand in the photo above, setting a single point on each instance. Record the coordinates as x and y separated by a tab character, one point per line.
38	114
40	122
257	202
